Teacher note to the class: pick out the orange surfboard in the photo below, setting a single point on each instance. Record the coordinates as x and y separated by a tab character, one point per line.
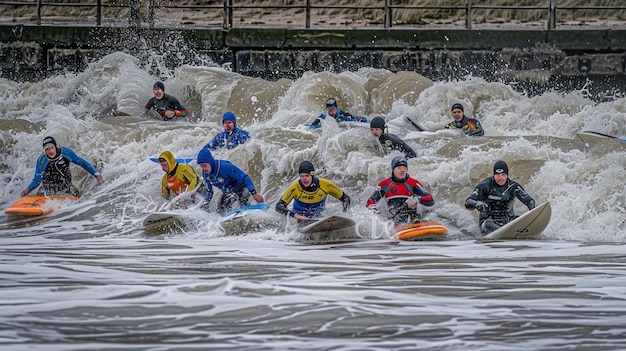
37	205
420	231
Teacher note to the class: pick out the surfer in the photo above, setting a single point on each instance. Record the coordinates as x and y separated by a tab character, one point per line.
52	170
309	195
402	193
469	126
493	197
231	136
178	177
166	105
235	184
333	112
389	141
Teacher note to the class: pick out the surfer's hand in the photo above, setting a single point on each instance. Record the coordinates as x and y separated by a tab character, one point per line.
99	179
300	217
169	114
258	198
412	201
25	192
481	206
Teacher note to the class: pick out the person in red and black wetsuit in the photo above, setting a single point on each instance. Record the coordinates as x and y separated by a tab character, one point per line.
402	193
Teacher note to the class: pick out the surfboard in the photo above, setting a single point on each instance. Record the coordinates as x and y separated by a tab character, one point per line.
415	124
594	137
327	224
329	229
163	219
242	211
527	226
420	231
36	205
178	160
245	219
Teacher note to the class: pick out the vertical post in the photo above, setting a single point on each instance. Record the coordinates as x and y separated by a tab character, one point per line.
468	15
552	15
151	7
99	13
307	14
225	15
134	12
228	14
388	14
38	12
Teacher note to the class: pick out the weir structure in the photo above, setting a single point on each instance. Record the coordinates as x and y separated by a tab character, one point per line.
536	56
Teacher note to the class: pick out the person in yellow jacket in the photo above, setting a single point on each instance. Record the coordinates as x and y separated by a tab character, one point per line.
178	177
309	195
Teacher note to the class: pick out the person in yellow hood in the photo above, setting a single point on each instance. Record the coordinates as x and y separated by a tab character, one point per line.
178	177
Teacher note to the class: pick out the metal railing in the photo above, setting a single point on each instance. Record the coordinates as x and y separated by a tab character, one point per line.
298	14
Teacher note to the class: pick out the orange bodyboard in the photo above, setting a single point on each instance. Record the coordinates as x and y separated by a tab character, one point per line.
36	205
420	231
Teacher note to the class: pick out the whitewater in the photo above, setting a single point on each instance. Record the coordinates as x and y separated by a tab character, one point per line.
91	277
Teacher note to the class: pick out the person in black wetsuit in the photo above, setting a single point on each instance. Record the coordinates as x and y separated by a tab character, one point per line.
52	170
494	197
389	141
166	105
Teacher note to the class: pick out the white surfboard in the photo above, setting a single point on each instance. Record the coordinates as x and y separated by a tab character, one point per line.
327	224
594	137
246	219
329	229
527	226
163	219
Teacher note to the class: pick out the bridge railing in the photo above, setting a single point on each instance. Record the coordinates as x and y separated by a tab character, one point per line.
340	14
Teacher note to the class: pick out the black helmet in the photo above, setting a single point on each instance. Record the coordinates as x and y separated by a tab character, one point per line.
398	161
306	167
331	103
377	122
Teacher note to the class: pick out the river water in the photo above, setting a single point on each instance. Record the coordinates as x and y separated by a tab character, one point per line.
90	277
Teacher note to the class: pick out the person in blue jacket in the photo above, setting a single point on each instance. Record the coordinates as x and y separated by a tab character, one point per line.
235	184
333	112
166	105
231	136
52	170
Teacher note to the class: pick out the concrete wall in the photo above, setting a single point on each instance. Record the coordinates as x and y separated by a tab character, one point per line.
30	53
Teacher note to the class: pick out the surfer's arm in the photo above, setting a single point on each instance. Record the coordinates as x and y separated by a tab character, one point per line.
479	128
165	191
217	141
69	153
424	197
40	166
288	196
523	196
150	104
188	175
346	202
281	207
208	195
472	203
